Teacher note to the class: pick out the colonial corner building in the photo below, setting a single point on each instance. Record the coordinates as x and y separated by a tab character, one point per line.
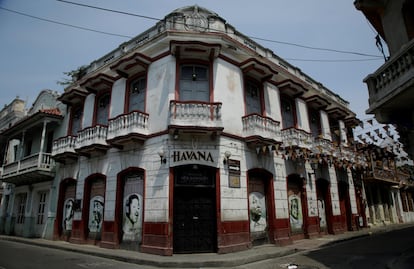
189	138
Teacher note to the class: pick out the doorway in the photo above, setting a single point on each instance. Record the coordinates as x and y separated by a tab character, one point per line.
194	210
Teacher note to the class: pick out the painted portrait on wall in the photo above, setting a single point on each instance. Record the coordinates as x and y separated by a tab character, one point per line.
295	212
68	212
96	210
132	220
257	206
322	213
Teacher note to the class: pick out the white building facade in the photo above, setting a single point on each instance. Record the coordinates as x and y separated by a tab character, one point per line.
192	137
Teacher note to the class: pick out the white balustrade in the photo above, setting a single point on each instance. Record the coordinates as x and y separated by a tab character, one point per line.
391	75
95	135
257	125
296	137
134	122
195	114
64	145
41	161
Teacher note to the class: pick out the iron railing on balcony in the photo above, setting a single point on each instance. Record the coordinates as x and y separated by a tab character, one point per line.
64	145
40	161
134	122
194	113
92	136
394	73
265	127
296	138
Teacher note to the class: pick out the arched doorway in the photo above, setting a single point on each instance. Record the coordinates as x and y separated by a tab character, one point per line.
93	207
261	206
194	209
66	208
297	205
345	205
323	194
130	208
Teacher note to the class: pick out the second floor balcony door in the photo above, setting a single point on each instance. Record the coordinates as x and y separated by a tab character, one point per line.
194	83
253	101
137	94
76	120
103	109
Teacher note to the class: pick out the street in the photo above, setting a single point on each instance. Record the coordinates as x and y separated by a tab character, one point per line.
394	249
15	255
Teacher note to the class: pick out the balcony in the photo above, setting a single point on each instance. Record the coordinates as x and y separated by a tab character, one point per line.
390	87
195	117
64	149
127	128
293	137
322	146
92	140
382	174
29	170
261	131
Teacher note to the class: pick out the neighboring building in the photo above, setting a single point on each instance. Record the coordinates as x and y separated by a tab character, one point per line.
8	116
391	87
388	182
191	137
28	169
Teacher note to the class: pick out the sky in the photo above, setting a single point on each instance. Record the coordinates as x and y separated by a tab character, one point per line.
35	54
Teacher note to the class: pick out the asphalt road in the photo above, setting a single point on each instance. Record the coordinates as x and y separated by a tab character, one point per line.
15	255
388	250
391	250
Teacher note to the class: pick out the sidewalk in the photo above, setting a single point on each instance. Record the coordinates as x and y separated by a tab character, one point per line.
244	259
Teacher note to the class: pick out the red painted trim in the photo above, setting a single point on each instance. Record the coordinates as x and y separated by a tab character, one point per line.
207	64
158	236
281	235
95	109
57	227
234	236
156	239
85	203
312	227
119	202
270	199
291	101
128	87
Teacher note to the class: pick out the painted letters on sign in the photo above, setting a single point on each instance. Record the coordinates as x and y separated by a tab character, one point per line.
182	156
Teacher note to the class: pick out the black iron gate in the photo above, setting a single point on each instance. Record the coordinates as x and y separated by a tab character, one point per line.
194	212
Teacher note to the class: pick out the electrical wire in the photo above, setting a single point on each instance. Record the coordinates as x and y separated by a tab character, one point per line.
126	36
252	37
333	61
64	24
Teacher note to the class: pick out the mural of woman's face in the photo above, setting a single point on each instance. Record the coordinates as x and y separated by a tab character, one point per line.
134	210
